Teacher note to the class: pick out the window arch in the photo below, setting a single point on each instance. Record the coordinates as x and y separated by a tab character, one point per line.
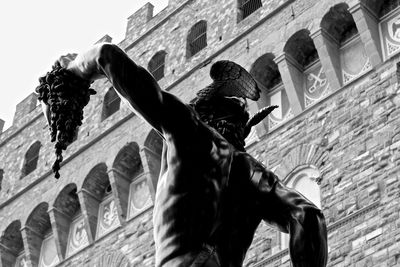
153	149
386	6
131	181
266	73
31	159
72	221
40	234
310	81
347	49
111	103
157	64
247	7
11	240
305	182
97	194
387	13
196	39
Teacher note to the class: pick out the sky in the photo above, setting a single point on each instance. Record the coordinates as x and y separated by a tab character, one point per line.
33	34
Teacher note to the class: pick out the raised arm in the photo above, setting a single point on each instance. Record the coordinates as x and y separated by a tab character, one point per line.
65	91
133	83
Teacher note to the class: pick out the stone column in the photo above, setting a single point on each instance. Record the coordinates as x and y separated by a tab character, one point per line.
32	244
328	52
291	82
152	178
368	28
120	189
60	224
90	208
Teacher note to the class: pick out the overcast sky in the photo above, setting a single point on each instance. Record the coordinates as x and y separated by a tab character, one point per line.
35	33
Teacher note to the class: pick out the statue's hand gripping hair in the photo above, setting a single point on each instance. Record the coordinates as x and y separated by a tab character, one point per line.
64	92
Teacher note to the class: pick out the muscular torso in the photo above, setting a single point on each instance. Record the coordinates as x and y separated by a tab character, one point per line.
205	196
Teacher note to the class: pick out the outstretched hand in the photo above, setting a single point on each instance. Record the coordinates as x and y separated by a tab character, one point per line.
84	64
66	59
70	62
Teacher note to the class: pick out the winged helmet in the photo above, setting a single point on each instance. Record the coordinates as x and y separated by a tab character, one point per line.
232	80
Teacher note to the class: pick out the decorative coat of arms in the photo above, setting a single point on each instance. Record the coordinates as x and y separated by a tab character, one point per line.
48	253
283	112
108	217
78	238
390	34
316	85
354	60
139	196
21	261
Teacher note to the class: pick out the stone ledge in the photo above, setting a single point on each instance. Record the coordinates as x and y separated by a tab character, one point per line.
353	216
273	258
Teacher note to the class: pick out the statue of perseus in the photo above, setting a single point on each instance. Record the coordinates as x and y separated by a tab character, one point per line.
211	194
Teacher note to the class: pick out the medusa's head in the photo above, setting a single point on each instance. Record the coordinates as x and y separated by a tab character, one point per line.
63	96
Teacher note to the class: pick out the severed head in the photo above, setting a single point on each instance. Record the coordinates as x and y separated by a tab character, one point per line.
63	96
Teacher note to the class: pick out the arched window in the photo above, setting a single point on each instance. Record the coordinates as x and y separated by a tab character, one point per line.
111	103
305	182
387	6
13	253
31	159
347	49
265	71
72	221
388	14
196	39
97	194
152	150
157	64
247	7
306	70
131	180
40	235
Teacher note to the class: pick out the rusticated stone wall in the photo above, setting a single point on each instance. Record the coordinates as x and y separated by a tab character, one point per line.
351	136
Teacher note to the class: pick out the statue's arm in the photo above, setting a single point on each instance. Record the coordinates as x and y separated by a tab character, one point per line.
134	84
292	212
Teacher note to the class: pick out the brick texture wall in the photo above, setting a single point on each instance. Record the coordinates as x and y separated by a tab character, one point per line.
352	136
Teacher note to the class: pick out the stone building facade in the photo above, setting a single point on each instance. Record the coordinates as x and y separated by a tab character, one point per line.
331	66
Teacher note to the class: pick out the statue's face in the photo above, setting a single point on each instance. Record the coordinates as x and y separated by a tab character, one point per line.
238	101
230	107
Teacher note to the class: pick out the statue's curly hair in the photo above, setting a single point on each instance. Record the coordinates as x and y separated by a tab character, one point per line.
66	94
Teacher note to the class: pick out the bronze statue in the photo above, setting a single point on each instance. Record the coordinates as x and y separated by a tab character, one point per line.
211	194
